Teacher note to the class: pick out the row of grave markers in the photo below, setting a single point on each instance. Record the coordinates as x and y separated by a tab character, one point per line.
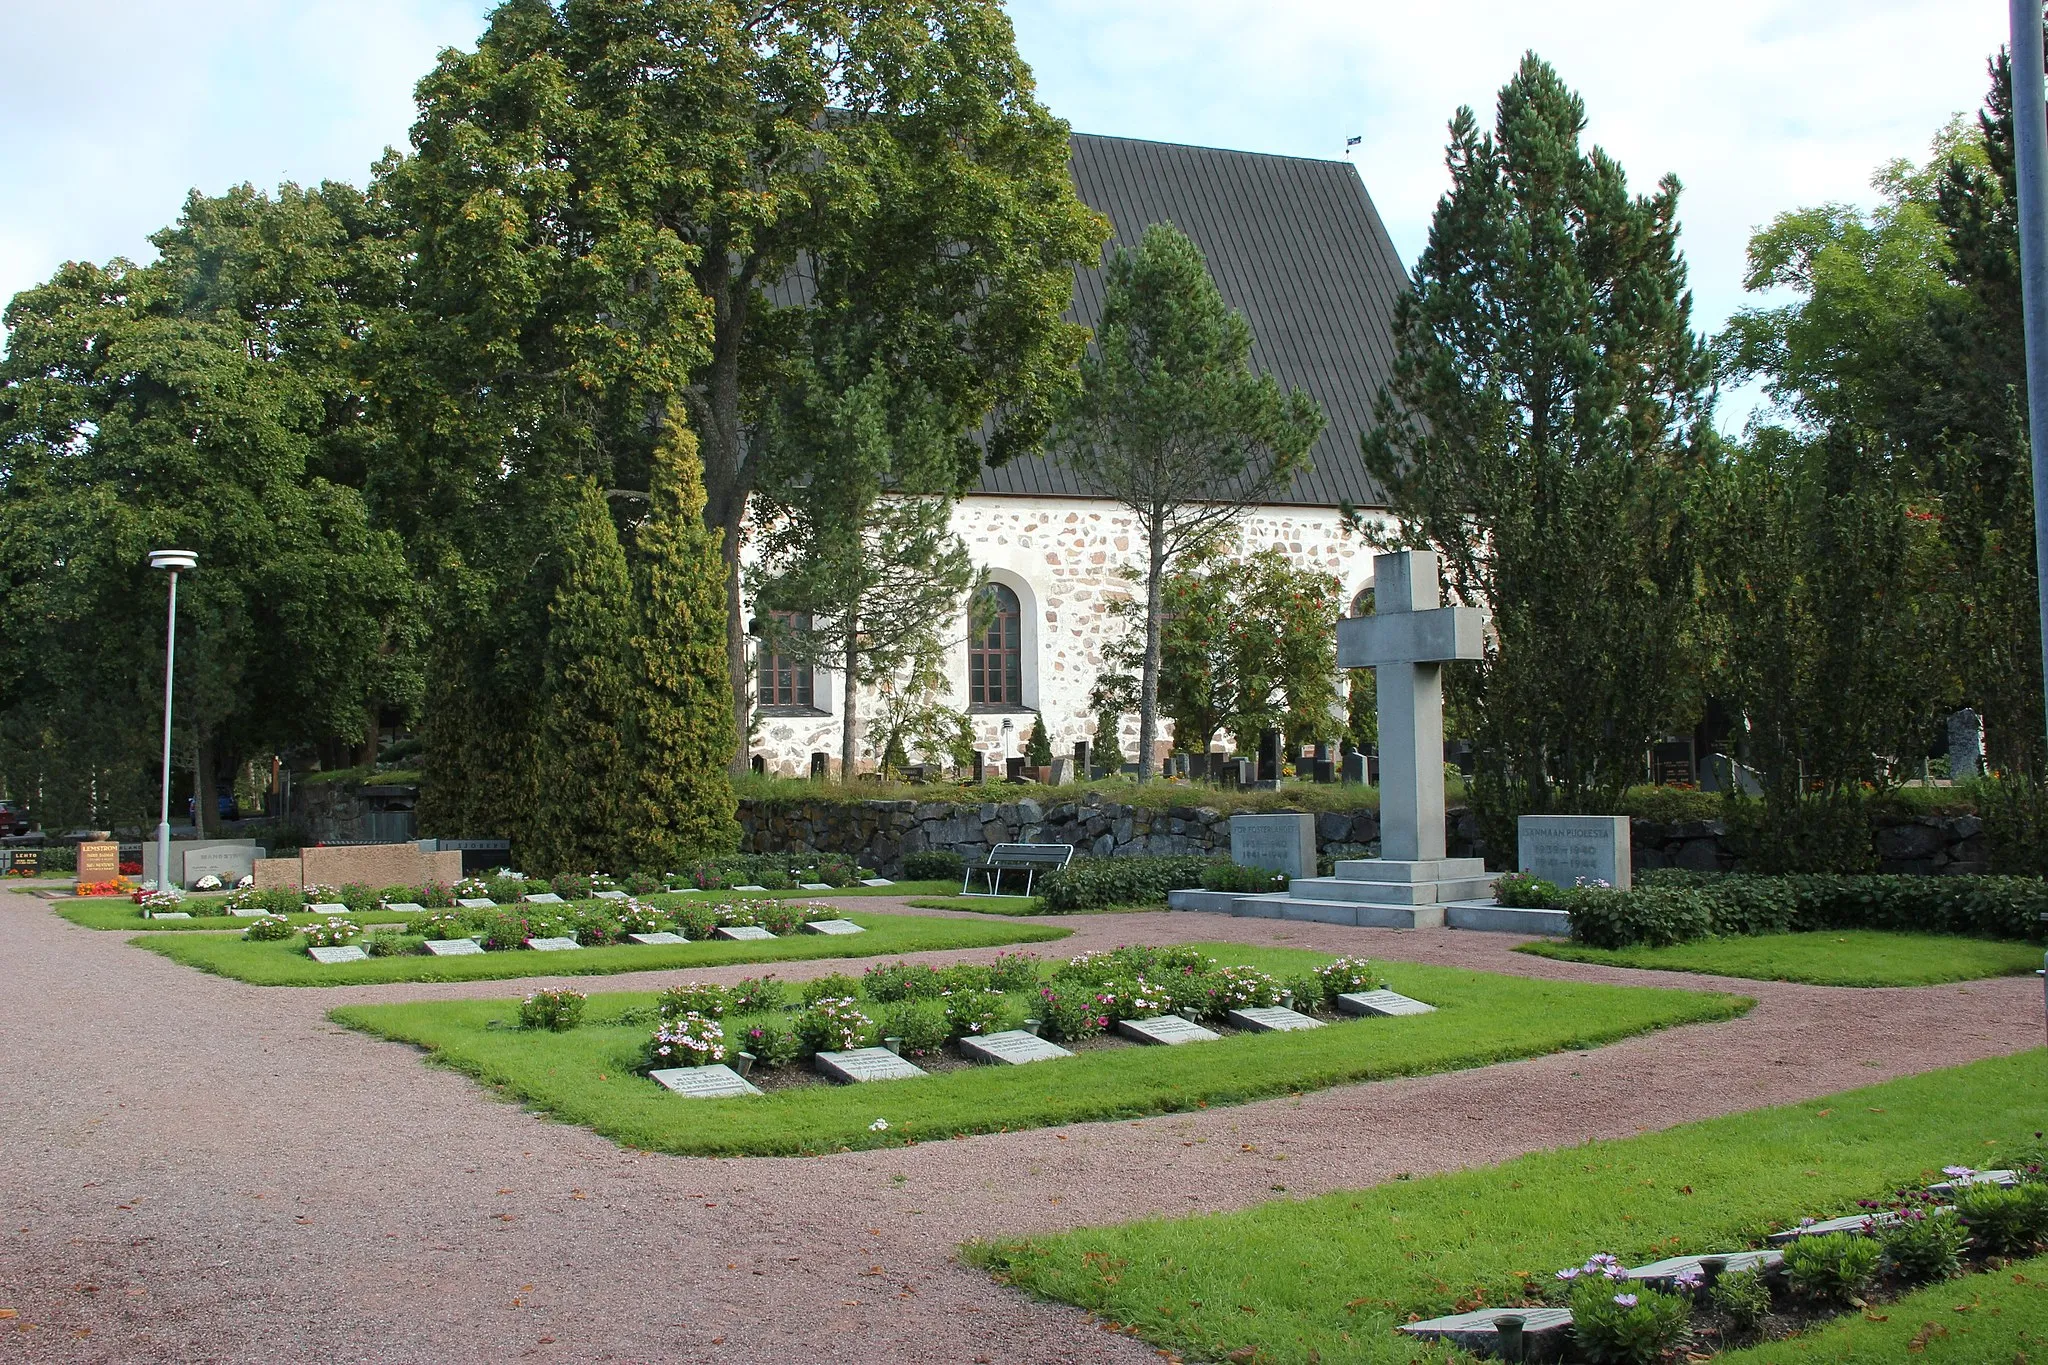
466	947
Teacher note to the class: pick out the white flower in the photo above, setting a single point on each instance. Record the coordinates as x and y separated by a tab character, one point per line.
879	1126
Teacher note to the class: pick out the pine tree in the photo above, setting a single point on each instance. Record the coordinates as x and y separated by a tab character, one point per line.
584	815
1038	748
682	724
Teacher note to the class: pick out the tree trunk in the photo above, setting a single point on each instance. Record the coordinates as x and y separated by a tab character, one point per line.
1148	682
849	705
741	677
202	783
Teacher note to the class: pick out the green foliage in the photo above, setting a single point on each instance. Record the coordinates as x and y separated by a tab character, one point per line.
1173	422
1524	890
1037	744
1847	957
1547	404
2005	1222
1107	752
1617	1324
756	995
1096	883
1834	1269
1252	880
933	865
552	1008
974	1011
696	998
888	982
270	929
331	933
921	1024
832	1023
832	986
1743	1298
1925	1246
1992	907
1013	972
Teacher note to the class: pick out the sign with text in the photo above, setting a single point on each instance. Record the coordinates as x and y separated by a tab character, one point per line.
99	862
1568	848
1278	843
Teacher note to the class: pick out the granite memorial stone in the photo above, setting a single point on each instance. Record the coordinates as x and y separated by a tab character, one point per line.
1169	1030
863	1064
453	947
1567	848
1012	1047
745	933
1390	1004
833	927
714	1082
1277	843
552	945
348	952
1271	1019
662	937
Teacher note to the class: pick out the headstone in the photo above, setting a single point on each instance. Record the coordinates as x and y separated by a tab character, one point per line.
1854	1222
833	927
980	767
876	881
1013	768
453	947
172	914
1271	1019
1012	1047
1956	1184
407	907
759	763
1269	755
1278	843
821	764
347	952
1566	848
248	912
327	908
1198	766
1081	752
374	865
750	887
476	903
1241	769
714	1082
1354	768
1965	745
24	862
1732	1263
663	937
1406	641
552	945
99	861
867	1064
1481	1332
1062	772
229	862
1168	1030
1391	1004
745	933
542	898
1671	763
611	895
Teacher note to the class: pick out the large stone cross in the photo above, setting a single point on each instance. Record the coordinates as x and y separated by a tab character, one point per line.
1407	640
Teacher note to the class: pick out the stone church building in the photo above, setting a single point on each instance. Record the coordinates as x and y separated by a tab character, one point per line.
1297	247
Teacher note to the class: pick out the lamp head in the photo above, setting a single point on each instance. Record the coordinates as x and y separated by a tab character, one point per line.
173	560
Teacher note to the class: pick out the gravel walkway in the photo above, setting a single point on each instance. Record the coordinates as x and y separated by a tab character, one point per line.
198	1170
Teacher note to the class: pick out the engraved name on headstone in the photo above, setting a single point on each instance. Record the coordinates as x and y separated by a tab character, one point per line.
1167	1029
552	945
1278	843
1565	848
1387	1003
663	937
348	952
833	926
1012	1047
99	861
714	1082
228	863
867	1064
1272	1019
453	947
743	932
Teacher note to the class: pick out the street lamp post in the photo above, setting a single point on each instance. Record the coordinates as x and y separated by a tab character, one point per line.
172	560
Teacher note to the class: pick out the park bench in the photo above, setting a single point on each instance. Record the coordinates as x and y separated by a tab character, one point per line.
1030	859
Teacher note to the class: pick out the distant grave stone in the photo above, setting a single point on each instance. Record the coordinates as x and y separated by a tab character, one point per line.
348	952
1272	1019
1566	848
876	881
172	914
1854	1222
663	937
1956	1184
1732	1263
1391	1004
1012	1047
327	908
407	907
610	895
1277	843
543	898
815	886
750	887
745	932
714	1082
1482	1332
867	1064
477	903
453	947
1168	1030
248	912
833	926
552	945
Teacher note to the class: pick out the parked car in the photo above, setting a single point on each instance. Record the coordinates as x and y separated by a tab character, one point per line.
12	821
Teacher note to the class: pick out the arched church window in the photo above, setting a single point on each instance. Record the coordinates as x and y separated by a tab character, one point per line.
1361	605
782	679
995	655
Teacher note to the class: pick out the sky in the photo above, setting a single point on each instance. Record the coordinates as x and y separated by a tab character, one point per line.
115	109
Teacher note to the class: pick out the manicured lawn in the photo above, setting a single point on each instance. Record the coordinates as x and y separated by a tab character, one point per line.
1996	1316
1846	957
1330	1277
587	1075
118	912
284	962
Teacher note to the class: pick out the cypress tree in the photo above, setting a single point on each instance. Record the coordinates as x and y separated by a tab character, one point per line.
1038	748
683	733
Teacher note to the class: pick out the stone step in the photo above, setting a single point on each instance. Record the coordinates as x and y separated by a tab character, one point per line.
1397	870
1390	893
1363	914
1500	919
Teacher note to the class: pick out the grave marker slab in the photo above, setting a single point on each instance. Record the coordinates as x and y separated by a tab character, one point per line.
348	952
407	907
750	887
477	903
1277	843
1854	1222
815	886
543	898
867	1064
1272	1019
1480	1332
1167	1030
746	933
1390	1004
1565	848
552	945
247	912
610	895
327	908
454	947
663	937
1012	1047
1732	1263
172	914
876	881
833	926
714	1082
2002	1179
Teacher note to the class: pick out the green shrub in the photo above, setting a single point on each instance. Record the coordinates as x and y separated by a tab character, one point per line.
552	1008
1834	1269
1670	907
973	1013
1346	976
1238	988
772	1043
571	886
269	929
506	890
641	884
441	926
435	896
275	900
357	897
1924	1246
1014	972
391	895
1617	1323
2005	1222
887	982
966	976
695	998
832	986
332	933
920	1023
1070	1011
1097	883
1616	919
833	1024
1744	1298
756	995
1306	990
786	917
694	919
389	943
934	865
1525	891
1250	880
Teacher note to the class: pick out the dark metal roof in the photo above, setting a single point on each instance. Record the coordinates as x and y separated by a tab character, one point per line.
1296	246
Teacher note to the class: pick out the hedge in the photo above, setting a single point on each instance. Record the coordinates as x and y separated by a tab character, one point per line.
1097	883
1675	907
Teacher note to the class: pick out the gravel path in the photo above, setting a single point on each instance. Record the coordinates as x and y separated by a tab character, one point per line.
198	1170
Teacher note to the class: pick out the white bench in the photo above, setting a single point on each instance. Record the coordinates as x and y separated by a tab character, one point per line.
1030	859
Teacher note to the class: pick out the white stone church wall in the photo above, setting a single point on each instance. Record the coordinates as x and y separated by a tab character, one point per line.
1064	558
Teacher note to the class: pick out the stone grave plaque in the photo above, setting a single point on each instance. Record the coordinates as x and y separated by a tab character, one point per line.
876	881
552	945
1732	1263
25	862
745	932
477	903
407	907
1272	1019
1278	843
867	1064
99	861
1565	848
454	947
1479	1332
247	912
833	926
750	887
542	898
1167	1029
663	937
172	914
1387	1003
814	886
348	952
1854	1222
327	908
610	895
230	863
1012	1047
1956	1184
714	1082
